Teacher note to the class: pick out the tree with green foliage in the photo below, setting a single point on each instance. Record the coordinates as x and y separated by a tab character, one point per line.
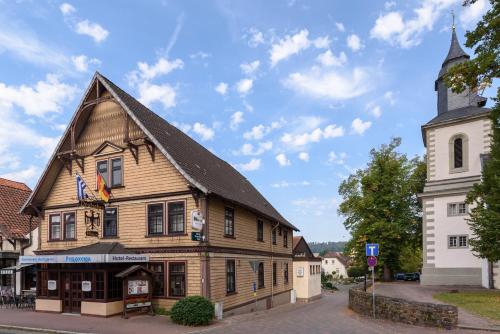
380	205
481	71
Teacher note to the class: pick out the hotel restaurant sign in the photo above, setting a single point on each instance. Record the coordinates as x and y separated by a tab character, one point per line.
84	258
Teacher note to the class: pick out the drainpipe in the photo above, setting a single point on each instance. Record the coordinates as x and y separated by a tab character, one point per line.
272	264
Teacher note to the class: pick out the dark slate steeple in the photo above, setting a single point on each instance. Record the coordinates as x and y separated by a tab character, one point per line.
447	100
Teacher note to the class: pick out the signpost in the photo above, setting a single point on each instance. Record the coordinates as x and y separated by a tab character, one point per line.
371	251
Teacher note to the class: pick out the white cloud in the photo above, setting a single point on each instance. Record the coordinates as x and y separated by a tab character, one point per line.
253	164
300	140
329	59
24	175
67	9
286	184
338	159
291	45
244	86
256	38
389	97
199	55
146	72
374	109
333	131
203	131
259	131
250	68
391	27
25	45
283	160
340	26
389	4
150	93
92	29
249	149
236	120
470	15
82	62
304	156
40	99
318	206
221	88
331	84
354	42
359	127
322	42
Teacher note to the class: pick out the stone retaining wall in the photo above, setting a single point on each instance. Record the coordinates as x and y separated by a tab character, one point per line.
402	310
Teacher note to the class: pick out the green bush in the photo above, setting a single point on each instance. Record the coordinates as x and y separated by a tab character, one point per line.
355	272
193	311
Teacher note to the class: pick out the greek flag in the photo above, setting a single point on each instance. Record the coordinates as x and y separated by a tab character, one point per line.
80	188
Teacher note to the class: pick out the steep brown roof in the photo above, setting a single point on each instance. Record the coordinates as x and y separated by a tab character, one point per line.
337	255
13	224
296	241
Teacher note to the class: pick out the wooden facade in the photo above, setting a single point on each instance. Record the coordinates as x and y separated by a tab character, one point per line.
106	132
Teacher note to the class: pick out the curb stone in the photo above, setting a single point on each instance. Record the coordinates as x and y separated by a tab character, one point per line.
39	330
487	329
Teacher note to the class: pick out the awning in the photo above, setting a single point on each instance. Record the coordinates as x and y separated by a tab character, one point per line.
13	269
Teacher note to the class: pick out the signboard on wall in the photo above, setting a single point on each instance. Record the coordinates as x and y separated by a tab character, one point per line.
197	220
84	258
300	272
138	287
86	286
52	285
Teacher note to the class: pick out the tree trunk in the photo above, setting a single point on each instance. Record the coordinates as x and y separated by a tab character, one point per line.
387	273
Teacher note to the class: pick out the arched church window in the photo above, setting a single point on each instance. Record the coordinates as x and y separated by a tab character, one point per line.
458	161
459	152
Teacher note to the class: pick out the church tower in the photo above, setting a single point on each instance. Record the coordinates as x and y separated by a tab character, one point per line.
456	140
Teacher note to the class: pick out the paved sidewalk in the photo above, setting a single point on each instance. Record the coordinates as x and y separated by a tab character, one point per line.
414	291
83	324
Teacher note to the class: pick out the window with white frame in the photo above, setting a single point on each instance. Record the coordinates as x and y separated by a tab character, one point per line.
458	241
457	209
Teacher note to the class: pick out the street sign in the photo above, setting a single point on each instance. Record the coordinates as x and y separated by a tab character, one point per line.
371	249
372	261
196	236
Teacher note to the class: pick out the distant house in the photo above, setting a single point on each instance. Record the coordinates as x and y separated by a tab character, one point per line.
306	271
335	263
18	233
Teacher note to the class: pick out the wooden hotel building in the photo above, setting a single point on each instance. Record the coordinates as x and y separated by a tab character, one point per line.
160	180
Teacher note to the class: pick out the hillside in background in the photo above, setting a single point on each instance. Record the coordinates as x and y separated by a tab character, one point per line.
323	247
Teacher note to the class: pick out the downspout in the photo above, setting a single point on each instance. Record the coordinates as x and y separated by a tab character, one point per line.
272	264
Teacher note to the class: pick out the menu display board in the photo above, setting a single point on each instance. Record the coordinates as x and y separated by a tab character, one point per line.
138	287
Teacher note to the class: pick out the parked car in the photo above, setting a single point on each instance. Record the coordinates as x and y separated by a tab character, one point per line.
412	277
399	277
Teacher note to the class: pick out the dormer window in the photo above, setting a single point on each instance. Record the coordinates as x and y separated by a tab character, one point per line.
458	147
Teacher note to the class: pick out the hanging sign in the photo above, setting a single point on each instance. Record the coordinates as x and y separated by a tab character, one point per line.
197	220
86	286
52	285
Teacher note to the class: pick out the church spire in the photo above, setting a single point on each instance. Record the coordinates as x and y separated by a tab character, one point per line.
456	52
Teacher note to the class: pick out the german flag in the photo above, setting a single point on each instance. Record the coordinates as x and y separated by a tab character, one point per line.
104	191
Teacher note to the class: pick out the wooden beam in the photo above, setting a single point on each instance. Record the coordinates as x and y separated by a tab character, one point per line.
126	129
80	162
151	148
134	149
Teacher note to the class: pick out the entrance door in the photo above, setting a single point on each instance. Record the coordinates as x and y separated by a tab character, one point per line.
72	292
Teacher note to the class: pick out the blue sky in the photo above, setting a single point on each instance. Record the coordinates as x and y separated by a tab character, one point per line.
292	93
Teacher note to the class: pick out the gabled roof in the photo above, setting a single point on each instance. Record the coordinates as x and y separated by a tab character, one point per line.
300	245
199	166
337	255
13	224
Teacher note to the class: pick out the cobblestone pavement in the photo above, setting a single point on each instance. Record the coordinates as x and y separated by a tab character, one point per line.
327	315
414	291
